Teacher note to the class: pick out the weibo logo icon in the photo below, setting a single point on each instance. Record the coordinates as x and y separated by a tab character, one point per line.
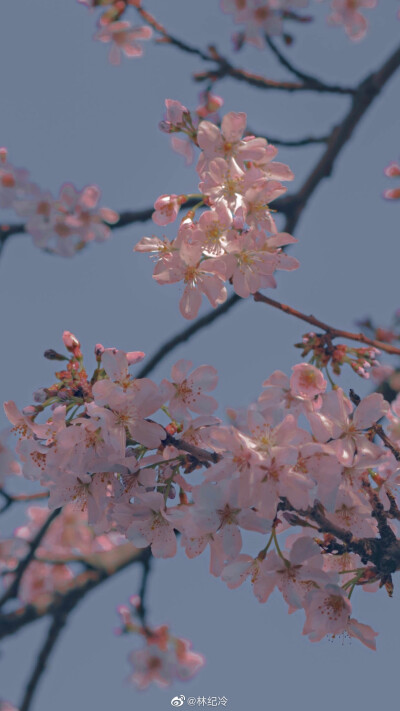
178	700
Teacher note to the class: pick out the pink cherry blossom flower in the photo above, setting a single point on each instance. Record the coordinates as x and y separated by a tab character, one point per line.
327	611
199	277
258	17
254	208
307	381
300	572
228	142
163	249
235	573
278	394
186	392
249	268
212	230
333	421
162	664
261	17
124	39
82	215
347	13
223	180
217	510
167	208
353	513
130	410
64	225
239	459
152	524
116	364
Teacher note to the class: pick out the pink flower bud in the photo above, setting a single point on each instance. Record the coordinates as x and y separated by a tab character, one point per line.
134	357
70	341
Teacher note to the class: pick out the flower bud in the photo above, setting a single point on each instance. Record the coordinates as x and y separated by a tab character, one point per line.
70	341
51	354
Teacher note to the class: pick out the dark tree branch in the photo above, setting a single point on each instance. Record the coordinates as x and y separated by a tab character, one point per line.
296	143
364	96
12	591
187	333
146	568
307	141
80	587
226	69
54	631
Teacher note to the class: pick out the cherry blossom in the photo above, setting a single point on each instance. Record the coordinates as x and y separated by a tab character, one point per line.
260	17
62	225
347	13
124	39
163	659
328	612
185	392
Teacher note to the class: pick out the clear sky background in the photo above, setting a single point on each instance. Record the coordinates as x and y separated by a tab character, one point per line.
68	115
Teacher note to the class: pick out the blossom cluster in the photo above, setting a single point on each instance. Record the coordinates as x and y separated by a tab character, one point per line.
68	546
124	37
61	225
152	461
235	239
362	360
349	14
163	658
263	18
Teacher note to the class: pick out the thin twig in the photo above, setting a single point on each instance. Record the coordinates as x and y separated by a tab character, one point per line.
312	81
187	333
21	498
12	591
306	141
225	68
296	143
168	38
333	332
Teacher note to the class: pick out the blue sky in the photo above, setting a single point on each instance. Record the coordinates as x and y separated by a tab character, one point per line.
68	115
